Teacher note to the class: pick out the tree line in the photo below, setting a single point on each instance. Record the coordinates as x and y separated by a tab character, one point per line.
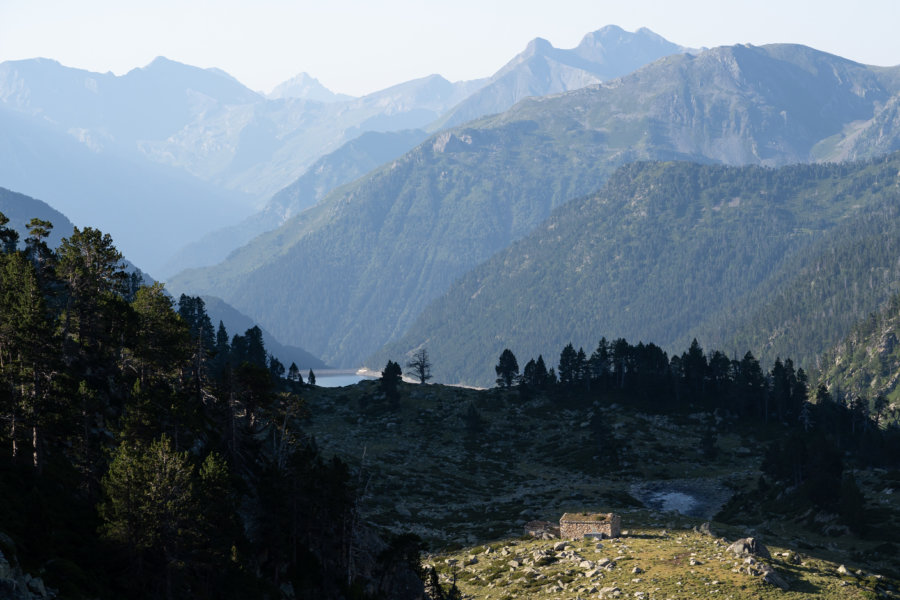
826	431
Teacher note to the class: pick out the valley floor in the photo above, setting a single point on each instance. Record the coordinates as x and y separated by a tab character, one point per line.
465	470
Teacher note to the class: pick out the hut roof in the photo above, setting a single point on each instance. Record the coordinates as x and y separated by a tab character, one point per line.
584	517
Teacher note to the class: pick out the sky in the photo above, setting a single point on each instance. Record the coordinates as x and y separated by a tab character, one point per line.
360	46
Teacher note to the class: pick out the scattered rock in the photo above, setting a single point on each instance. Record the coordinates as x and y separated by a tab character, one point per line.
637	570
610	592
842	570
514	564
559	546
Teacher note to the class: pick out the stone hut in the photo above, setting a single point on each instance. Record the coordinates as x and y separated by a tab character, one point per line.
573	526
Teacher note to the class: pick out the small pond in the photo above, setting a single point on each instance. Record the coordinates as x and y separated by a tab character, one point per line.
701	498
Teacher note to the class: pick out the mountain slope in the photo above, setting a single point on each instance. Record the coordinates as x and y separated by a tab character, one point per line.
352	273
236	323
149	209
351	161
672	251
20	209
151	102
263	146
541	70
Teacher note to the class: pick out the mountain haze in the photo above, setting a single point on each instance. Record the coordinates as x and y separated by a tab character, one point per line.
353	272
307	87
541	70
351	161
171	139
133	200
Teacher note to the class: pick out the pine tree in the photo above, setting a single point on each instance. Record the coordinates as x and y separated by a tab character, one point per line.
9	237
507	369
568	366
151	505
391	377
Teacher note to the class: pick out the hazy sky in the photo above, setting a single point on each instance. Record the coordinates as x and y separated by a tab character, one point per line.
359	46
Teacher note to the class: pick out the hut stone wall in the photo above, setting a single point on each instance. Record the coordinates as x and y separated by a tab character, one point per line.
576	526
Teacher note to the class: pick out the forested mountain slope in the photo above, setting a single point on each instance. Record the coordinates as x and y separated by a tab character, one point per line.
866	363
355	271
778	261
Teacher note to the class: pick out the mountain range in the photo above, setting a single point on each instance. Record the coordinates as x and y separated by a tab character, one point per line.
542	70
197	143
354	272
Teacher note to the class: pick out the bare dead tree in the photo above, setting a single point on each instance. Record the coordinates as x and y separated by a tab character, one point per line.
420	365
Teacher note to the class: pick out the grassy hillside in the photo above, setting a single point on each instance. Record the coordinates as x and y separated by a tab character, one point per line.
649	562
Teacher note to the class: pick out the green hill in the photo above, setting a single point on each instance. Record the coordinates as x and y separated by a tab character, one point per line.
354	272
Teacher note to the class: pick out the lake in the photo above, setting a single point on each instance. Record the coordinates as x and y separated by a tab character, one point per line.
339	380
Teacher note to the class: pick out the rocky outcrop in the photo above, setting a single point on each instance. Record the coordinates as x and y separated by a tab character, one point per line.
15	584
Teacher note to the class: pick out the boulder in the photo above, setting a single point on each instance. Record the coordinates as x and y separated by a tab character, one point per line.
773	577
749	546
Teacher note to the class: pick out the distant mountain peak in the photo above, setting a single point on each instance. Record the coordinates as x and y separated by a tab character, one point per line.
305	86
537	46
